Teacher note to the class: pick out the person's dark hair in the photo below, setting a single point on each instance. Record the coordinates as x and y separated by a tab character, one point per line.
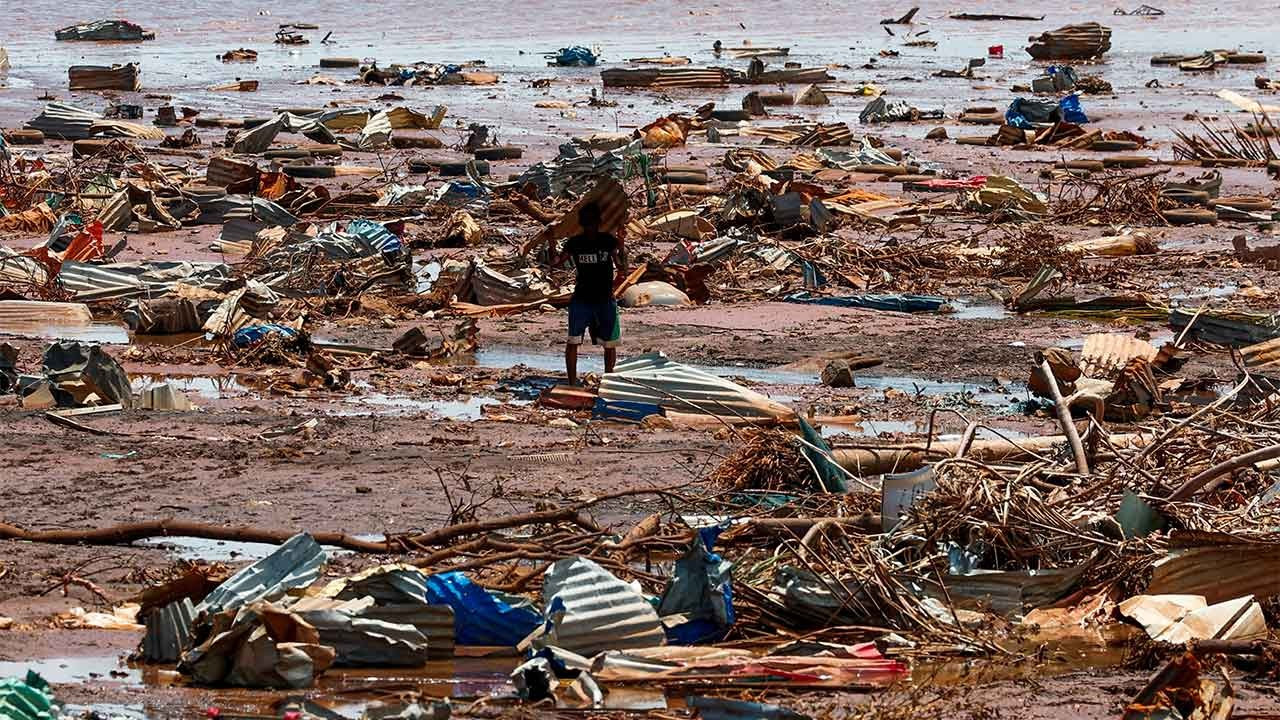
589	215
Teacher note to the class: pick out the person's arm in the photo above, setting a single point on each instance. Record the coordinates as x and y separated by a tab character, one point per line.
620	256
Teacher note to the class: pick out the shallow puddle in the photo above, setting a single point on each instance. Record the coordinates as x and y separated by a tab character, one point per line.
106	668
193	548
468	410
974	310
1055	651
209	386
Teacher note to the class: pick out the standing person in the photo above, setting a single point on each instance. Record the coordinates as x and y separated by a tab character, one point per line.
595	256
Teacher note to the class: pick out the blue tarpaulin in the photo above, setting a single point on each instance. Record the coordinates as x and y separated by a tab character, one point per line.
1024	113
254	334
899	303
576	56
482	617
701	589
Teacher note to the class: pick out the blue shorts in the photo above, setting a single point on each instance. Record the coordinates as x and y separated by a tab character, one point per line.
601	319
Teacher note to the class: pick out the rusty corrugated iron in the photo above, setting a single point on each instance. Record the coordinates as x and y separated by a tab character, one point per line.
100	77
1105	356
1071	42
666	78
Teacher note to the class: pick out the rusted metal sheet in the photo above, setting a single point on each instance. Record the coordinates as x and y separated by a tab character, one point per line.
796	76
1105	356
22	317
653	379
666	78
224	171
1218	572
101	77
1071	42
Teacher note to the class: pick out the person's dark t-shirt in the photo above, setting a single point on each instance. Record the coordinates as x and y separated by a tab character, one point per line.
593	257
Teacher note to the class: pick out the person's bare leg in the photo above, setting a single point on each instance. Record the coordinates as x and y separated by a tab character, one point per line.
610	358
571	362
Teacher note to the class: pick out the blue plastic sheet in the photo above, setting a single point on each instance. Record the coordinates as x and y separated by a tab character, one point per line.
1024	113
254	334
1072	111
576	56
481	617
702	589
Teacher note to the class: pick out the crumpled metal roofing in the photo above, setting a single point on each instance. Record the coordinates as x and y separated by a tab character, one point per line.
138	279
60	120
600	612
1105	355
256	140
654	379
360	640
494	288
21	268
376	133
168	631
220	209
576	169
296	563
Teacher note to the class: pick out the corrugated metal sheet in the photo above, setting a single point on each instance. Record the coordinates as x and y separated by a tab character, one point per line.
18	316
68	122
494	288
666	78
1071	42
791	76
400	596
1235	329
1104	355
121	128
294	564
168	632
101	77
117	213
360	640
403	118
601	612
257	140
219	210
436	622
376	133
139	279
224	171
655	380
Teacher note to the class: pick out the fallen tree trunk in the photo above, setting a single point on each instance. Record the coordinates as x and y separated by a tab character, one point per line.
905	458
131	532
126	533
